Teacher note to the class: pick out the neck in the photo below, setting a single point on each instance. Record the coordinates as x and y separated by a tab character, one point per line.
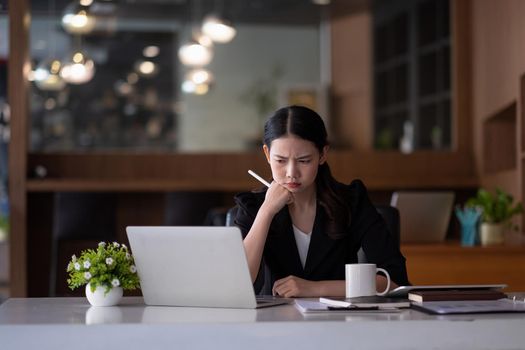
305	198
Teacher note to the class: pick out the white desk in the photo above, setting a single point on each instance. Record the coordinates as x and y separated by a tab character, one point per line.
60	323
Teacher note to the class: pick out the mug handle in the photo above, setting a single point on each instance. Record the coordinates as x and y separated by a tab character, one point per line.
387	281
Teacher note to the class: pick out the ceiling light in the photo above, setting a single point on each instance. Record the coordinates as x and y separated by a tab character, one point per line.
217	29
195	54
190	87
321	2
78	69
151	51
47	76
200	76
146	68
132	78
77	19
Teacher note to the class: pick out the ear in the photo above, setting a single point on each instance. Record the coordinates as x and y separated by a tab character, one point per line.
266	152
324	155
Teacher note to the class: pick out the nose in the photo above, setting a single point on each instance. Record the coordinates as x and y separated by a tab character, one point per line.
291	171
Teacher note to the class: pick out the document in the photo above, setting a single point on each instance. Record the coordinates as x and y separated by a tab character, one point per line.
312	306
371	301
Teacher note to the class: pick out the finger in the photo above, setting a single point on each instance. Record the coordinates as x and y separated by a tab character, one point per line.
281	281
281	287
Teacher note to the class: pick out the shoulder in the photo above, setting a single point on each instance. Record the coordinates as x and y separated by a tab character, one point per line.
250	202
354	192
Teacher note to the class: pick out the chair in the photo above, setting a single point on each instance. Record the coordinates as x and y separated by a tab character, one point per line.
80	221
391	216
264	283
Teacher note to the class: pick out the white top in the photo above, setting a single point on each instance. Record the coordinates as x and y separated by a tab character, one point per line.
302	240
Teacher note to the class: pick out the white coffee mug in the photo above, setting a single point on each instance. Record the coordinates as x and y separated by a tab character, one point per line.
361	280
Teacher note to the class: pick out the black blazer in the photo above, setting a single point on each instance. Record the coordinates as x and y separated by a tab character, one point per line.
326	257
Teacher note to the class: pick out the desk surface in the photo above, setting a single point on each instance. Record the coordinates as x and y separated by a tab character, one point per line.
53	323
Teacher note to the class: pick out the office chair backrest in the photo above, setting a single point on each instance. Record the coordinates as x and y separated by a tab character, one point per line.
230	215
391	216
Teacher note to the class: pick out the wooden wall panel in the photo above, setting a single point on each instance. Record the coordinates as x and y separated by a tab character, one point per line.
19	66
498	63
228	172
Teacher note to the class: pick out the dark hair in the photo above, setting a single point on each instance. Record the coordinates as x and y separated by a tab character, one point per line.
308	125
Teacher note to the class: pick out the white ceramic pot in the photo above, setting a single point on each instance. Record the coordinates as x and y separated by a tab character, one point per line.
491	234
100	298
102	315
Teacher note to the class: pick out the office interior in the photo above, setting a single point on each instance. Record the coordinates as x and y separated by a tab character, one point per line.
423	95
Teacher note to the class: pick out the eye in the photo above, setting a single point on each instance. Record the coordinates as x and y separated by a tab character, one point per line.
305	161
280	161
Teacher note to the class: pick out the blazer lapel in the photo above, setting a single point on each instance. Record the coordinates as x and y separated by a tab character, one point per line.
320	243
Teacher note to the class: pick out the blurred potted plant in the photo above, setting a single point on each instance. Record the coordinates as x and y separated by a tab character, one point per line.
262	94
498	209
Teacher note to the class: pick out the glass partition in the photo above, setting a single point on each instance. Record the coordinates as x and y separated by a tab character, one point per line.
125	79
113	75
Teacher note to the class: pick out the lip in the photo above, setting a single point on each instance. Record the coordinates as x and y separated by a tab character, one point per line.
293	184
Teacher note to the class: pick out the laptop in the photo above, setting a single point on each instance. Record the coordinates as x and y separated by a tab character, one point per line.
424	216
195	266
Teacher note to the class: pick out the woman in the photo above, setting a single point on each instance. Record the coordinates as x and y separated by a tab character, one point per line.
306	226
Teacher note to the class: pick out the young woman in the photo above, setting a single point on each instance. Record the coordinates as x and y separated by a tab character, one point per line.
307	226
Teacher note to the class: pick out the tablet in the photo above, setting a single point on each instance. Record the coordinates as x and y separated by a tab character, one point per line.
402	291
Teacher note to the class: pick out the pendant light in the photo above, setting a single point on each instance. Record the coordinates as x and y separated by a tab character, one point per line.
46	75
78	69
77	18
218	29
197	52
197	81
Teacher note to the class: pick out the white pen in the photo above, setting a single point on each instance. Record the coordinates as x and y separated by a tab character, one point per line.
263	181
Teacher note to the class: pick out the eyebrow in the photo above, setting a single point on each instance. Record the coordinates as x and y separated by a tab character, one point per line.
300	157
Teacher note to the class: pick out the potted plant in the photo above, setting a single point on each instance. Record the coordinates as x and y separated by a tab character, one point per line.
497	209
106	272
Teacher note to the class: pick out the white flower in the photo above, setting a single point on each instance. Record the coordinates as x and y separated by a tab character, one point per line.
128	256
124	246
102	244
73	258
77	266
115	244
87	264
133	269
109	261
87	275
115	282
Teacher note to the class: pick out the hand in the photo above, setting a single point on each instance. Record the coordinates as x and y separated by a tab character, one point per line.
293	286
277	197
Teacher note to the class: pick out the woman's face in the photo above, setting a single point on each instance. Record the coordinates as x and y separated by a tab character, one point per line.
294	162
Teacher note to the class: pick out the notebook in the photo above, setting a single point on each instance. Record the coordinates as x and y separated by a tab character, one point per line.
363	302
194	266
424	216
